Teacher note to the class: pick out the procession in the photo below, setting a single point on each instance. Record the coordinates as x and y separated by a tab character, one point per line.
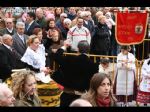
74	57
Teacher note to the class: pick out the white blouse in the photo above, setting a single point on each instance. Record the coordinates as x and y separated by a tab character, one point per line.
37	60
145	83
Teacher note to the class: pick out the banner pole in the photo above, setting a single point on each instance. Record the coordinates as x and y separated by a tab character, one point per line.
127	84
127	81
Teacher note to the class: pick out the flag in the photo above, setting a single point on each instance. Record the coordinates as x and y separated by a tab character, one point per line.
131	27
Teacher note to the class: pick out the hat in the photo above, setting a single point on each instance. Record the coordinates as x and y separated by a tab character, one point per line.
63	15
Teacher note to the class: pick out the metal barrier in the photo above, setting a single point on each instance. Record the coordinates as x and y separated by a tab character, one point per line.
143	49
113	62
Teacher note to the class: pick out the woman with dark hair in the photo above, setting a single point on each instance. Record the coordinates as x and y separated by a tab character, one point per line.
57	12
144	88
100	94
51	25
56	43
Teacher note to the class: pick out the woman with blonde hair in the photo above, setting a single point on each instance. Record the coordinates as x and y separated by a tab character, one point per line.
34	59
100	94
24	88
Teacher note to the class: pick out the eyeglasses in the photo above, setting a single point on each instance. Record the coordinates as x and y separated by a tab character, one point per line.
65	17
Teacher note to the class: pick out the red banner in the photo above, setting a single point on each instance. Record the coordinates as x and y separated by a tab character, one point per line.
131	27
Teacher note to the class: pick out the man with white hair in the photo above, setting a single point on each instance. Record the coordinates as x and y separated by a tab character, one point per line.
66	26
6	96
59	23
7	57
9	29
19	43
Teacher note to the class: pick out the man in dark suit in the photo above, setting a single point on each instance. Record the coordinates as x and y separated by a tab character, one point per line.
7	57
9	27
74	72
31	23
19	43
88	23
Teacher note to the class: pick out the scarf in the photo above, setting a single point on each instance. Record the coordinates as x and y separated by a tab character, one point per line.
103	103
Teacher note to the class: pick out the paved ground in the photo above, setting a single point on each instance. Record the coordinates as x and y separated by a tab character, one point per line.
133	104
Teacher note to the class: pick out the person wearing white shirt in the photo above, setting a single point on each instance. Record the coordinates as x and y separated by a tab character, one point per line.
78	33
9	29
35	59
143	96
125	83
106	67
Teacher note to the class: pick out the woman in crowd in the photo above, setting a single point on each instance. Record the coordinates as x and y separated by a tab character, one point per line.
34	58
38	33
144	88
99	94
24	88
109	21
58	11
100	43
51	24
57	42
125	86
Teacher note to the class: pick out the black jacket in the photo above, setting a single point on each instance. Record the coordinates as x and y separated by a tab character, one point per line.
101	39
7	62
31	28
74	72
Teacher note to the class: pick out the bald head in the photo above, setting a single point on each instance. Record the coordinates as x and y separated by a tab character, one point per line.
8	20
7	39
4	90
6	95
80	103
9	23
39	13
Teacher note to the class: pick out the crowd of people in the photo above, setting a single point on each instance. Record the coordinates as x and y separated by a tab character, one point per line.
32	40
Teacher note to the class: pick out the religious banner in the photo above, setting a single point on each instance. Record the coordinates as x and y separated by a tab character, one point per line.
131	27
